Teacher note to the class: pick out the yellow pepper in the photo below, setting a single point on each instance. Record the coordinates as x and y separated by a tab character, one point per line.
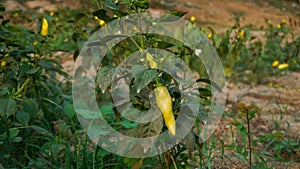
3	63
164	103
101	22
152	63
275	63
283	66
278	26
209	36
44	30
192	19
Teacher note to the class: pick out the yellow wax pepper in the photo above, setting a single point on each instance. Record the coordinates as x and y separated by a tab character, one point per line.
192	19
275	63
152	63
44	31
278	26
283	66
101	22
284	21
3	63
164	103
242	34
209	36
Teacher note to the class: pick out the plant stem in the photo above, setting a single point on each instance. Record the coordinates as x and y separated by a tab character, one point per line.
249	140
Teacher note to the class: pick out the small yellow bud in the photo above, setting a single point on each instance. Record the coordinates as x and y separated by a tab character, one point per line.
209	36
283	66
96	17
278	26
242	34
6	55
3	63
284	21
192	19
16	14
275	63
101	22
51	13
35	43
44	31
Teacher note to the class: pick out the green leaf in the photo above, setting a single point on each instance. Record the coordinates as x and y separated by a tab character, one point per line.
88	114
204	92
17	139
30	106
143	78
8	106
215	85
128	124
110	5
106	109
23	117
145	130
41	130
69	110
97	130
176	13
13	132
2	8
136	69
189	141
105	76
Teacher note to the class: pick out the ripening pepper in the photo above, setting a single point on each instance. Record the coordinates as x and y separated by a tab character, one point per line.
44	30
153	64
3	63
283	66
164	103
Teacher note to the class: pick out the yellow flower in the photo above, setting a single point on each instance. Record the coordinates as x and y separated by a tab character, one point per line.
192	19
96	17
275	63
101	22
51	13
164	103
3	63
283	66
209	36
242	34
44	31
278	26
